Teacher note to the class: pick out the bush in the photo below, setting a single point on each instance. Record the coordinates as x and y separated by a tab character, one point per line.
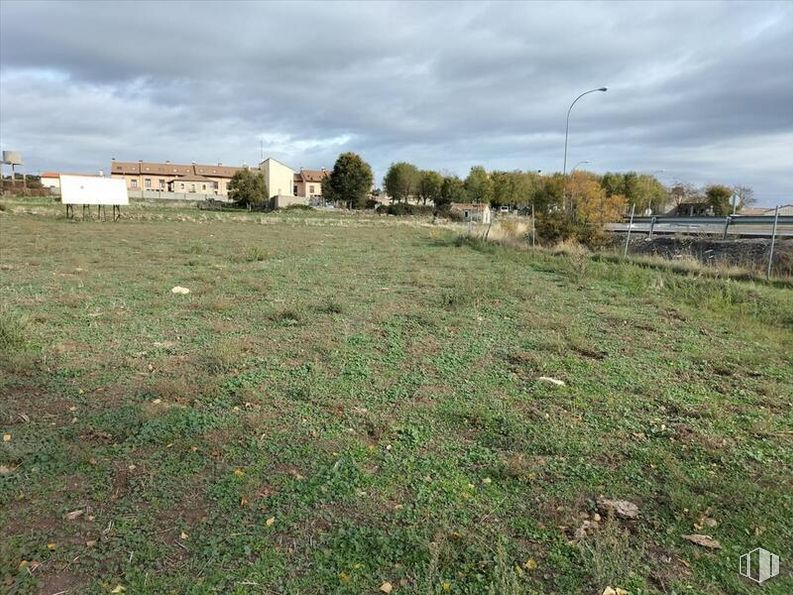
298	208
402	208
556	227
16	351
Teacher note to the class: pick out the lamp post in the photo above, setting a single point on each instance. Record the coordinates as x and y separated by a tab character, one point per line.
649	175
566	134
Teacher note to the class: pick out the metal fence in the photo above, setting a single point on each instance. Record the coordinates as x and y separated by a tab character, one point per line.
765	226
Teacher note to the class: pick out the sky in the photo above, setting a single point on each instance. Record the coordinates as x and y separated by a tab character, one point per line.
701	91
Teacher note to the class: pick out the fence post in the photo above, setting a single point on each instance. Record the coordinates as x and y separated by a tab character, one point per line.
652	226
773	239
533	227
628	235
727	221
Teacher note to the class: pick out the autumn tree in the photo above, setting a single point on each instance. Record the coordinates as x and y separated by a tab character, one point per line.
401	181
350	181
248	188
479	186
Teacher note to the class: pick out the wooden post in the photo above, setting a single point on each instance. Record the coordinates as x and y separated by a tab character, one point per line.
533	228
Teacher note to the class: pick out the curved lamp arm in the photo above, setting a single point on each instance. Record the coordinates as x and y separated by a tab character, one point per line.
567	125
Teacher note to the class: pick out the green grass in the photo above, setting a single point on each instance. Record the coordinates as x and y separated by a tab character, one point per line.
371	386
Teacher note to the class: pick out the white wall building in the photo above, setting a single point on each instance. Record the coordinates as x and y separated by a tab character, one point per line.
278	177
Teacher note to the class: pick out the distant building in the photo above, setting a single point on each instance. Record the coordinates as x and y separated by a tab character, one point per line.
691	209
766	211
195	184
52	179
174	177
479	213
278	176
308	182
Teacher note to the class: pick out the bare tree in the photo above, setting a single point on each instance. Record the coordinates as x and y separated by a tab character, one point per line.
744	196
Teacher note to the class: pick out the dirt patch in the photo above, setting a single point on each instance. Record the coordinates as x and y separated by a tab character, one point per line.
61	582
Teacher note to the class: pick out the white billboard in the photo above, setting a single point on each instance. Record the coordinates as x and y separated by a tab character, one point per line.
93	190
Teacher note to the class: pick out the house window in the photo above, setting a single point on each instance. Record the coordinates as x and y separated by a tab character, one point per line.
133	183
295	190
181	186
311	189
192	187
203	186
467	214
162	184
147	183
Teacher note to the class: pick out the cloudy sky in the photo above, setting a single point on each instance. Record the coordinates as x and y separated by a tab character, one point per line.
701	91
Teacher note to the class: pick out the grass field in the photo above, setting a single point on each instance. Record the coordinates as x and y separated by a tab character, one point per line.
343	402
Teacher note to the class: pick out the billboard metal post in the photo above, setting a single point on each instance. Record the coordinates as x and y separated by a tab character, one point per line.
773	240
628	235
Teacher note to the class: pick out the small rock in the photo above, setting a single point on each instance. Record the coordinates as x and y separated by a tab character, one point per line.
554	381
615	591
386	587
622	508
180	290
74	515
703	540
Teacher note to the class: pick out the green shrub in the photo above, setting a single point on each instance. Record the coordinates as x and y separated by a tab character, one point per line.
401	209
16	349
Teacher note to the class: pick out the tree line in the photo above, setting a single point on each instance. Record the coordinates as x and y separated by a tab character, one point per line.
583	195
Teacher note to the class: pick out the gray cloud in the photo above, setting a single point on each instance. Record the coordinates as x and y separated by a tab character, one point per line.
703	91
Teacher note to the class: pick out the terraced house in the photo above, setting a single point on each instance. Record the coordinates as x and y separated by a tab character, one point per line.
174	177
308	182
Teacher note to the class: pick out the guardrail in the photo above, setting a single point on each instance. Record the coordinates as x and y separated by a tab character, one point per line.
723	222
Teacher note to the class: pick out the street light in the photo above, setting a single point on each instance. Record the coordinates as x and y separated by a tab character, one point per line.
648	175
566	133
577	164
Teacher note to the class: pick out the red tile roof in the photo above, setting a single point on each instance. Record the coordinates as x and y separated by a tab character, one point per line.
171	169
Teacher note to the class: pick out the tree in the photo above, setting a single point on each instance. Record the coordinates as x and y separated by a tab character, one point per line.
248	188
429	187
452	190
548	195
401	181
684	192
350	181
613	183
744	197
718	197
479	186
652	194
514	187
